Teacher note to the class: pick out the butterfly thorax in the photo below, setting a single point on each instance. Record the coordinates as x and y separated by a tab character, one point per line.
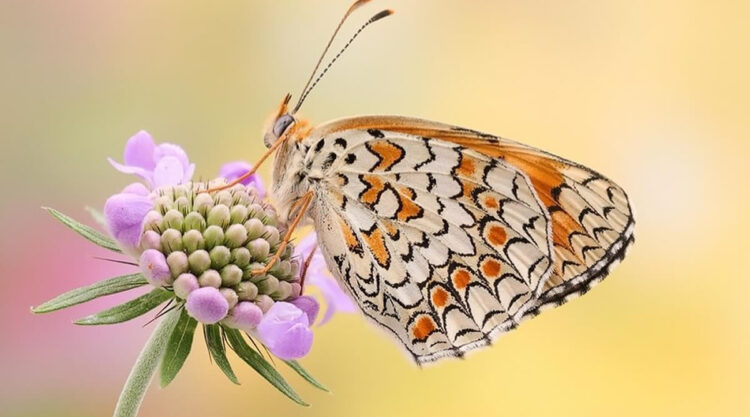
290	179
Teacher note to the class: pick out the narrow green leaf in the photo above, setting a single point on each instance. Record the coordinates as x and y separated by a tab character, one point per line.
178	348
129	310
306	375
253	358
85	231
218	352
98	289
145	367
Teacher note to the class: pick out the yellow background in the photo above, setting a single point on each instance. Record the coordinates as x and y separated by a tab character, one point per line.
652	93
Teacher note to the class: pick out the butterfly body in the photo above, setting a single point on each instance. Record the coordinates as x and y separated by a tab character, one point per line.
446	236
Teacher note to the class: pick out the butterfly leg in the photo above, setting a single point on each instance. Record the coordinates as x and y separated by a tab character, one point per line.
305	266
252	171
303	203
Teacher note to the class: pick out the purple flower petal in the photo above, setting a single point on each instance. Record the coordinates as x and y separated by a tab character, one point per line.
139	151
154	267
135	188
169	171
124	214
309	305
207	305
285	330
318	275
233	170
170	149
146	174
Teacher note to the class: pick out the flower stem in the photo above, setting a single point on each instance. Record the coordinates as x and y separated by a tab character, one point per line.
145	367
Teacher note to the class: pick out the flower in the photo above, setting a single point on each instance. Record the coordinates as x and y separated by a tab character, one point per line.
159	165
285	330
207	305
124	213
317	274
233	170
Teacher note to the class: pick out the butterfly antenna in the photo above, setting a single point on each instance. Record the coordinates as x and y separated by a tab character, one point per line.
349	11
306	91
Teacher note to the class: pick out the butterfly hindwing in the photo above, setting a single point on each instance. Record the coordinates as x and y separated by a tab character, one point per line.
445	246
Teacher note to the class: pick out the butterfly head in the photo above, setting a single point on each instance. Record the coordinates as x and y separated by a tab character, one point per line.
278	123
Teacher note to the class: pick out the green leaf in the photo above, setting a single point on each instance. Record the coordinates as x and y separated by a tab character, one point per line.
98	289
218	352
145	367
306	375
85	231
178	348
129	310
254	359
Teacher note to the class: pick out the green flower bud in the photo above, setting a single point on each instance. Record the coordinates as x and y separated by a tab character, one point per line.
231	275
238	214
153	220
272	235
180	191
213	235
218	216
183	205
220	256
178	263
235	236
270	217
247	291
224	198
173	219
282	270
284	291
210	278
230	296
255	228
171	240
194	221
192	240
163	204
241	257
268	285
295	268
199	261
259	249
264	302
202	203
255	210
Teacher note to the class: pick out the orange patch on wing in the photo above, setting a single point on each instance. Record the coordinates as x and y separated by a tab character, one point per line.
388	153
409	209
497	235
349	237
424	326
467	166
491	268
376	244
391	229
439	297
468	189
461	278
370	196
491	202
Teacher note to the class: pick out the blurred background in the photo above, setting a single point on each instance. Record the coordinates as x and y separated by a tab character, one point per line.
655	94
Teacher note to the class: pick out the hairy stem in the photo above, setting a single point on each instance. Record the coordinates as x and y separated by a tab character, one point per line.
145	367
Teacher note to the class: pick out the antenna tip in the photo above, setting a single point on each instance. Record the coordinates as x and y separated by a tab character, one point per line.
382	14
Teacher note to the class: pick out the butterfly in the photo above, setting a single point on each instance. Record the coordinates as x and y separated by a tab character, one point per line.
447	237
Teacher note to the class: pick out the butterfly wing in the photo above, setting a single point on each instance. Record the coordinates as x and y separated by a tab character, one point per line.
449	237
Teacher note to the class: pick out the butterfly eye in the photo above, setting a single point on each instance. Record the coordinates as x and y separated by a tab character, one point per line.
282	123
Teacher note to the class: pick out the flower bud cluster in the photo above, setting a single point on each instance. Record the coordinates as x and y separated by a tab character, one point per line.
208	248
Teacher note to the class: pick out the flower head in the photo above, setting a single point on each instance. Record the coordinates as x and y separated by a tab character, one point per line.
159	165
